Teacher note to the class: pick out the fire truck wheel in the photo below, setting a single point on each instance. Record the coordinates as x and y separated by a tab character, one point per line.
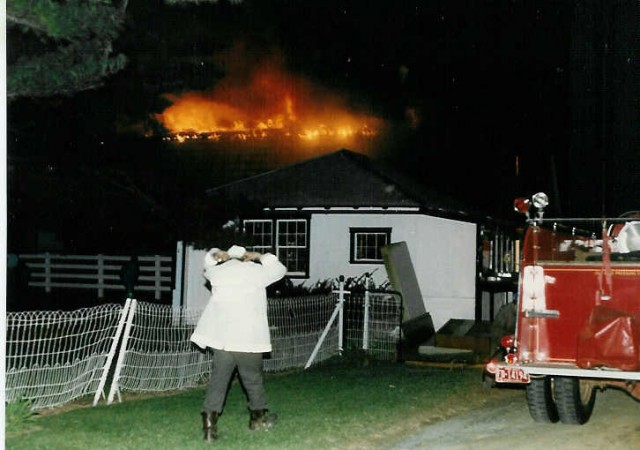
575	399
540	400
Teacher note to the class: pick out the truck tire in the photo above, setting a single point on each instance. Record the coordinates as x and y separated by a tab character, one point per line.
575	399
542	407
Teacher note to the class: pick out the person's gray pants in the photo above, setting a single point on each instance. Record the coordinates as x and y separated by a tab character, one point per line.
249	367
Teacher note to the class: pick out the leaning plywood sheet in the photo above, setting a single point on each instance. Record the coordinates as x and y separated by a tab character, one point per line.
403	279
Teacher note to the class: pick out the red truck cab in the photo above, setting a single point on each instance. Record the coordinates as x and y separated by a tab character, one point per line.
578	313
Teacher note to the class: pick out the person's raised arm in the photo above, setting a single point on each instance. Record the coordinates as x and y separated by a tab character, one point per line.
273	268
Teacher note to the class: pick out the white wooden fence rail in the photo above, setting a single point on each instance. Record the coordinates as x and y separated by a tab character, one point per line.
99	272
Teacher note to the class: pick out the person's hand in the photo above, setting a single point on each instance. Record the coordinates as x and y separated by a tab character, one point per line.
251	256
220	256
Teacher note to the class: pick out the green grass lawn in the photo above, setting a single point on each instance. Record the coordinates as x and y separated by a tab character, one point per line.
343	405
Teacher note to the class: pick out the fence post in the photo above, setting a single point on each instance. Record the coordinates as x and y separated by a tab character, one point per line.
341	293
176	300
365	325
100	276
336	312
47	272
157	267
115	383
112	352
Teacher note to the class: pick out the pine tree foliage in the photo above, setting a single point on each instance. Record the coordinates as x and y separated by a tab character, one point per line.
61	47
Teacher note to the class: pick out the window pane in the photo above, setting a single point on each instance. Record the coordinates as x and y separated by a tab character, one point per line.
292	233
262	233
295	259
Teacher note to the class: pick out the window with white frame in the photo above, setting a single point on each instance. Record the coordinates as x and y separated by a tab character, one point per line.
366	244
287	238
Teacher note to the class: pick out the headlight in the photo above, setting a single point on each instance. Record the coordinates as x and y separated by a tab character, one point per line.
540	200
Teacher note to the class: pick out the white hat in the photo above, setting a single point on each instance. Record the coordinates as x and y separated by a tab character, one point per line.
236	251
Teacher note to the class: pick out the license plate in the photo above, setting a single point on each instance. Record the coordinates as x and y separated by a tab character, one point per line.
505	374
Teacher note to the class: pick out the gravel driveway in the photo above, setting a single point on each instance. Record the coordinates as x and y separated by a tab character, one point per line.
506	424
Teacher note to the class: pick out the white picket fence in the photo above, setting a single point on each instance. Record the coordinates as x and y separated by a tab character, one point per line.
97	272
55	357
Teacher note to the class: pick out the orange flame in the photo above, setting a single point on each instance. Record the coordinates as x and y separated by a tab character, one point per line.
265	101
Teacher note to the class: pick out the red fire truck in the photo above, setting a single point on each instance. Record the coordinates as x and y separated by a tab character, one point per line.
578	313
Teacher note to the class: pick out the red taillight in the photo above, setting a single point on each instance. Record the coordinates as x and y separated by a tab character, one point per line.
511	358
507	341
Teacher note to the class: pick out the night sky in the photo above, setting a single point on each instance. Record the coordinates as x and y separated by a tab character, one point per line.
476	99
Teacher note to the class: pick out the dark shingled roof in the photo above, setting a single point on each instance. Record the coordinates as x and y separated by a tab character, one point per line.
340	179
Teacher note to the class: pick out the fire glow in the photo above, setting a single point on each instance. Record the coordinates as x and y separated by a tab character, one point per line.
265	102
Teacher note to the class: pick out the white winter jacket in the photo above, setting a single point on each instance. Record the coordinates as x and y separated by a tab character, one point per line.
235	319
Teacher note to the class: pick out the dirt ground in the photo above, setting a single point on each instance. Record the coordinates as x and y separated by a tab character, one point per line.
505	423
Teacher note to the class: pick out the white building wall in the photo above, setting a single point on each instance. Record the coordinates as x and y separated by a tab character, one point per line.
443	253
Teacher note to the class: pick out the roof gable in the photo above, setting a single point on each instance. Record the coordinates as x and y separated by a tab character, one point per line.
340	179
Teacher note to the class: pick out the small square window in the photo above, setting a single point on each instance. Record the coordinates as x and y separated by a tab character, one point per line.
366	244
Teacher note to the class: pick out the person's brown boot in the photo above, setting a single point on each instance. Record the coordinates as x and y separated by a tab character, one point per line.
262	419
210	426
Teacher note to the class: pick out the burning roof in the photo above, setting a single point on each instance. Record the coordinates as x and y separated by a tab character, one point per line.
260	99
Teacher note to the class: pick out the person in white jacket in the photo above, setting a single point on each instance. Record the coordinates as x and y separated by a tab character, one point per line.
234	324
